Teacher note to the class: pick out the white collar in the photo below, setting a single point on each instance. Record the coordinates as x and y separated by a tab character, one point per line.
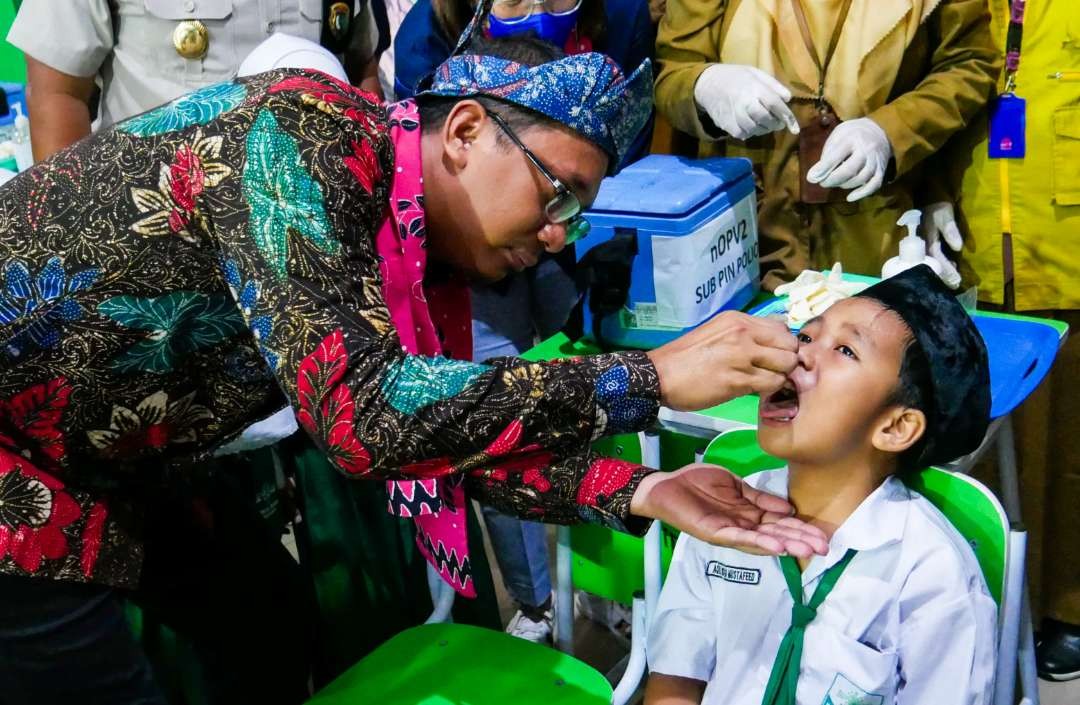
878	521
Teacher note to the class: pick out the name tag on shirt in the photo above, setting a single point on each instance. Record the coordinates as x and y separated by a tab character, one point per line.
1008	127
733	574
844	692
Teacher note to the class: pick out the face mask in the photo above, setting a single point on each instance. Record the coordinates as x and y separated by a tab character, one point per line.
555	29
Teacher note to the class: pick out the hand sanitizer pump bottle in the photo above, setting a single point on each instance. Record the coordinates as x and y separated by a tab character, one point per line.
912	248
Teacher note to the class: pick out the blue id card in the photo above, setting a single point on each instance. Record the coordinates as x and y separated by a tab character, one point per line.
1008	127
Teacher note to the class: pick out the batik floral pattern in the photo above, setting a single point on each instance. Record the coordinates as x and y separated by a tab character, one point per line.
330	96
247	296
196	108
173	205
617	410
174	326
171	281
326	405
34	511
414	382
34	508
283	197
35	414
152	425
34	310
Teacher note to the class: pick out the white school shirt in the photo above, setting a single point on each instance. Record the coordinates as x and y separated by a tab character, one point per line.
910	621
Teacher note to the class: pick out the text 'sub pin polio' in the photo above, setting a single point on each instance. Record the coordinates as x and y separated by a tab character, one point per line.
1008	112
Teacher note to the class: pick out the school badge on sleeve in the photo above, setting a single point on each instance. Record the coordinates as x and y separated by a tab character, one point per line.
844	692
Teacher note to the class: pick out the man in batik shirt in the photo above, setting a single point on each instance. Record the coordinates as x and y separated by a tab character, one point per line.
265	242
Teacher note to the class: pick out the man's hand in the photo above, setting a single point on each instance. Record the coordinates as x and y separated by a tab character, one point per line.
744	101
728	356
713	505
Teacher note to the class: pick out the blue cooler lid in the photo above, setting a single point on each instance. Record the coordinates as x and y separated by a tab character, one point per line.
666	185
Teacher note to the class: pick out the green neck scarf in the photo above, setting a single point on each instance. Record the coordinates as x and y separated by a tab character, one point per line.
784	679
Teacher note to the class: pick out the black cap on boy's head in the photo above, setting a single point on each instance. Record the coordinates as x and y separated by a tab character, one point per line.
955	354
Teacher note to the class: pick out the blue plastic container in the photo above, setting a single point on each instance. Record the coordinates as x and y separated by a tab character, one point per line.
695	222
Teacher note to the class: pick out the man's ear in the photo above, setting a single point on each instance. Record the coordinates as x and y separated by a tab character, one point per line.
898	429
462	128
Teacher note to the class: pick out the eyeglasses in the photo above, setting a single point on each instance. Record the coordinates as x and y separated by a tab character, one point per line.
510	11
564	207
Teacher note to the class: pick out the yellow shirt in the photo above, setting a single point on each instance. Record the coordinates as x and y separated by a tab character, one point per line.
1037	198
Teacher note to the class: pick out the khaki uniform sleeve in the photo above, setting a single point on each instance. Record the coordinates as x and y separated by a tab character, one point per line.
688	42
85	26
963	70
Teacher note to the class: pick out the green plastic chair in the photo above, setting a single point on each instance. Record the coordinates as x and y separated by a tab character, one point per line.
450	664
971	508
455	664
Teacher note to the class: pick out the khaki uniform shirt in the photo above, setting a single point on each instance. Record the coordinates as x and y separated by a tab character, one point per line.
920	90
128	44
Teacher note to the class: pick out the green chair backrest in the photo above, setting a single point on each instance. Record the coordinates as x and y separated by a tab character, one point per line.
967	504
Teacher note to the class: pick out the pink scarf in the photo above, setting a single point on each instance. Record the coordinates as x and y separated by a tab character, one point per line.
437	506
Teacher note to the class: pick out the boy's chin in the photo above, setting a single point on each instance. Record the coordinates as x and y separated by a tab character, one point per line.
783	440
776	438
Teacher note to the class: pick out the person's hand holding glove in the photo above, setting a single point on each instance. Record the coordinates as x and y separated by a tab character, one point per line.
744	101
855	156
939	223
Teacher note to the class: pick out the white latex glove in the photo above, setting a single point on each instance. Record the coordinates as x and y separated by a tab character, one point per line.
744	101
939	223
854	157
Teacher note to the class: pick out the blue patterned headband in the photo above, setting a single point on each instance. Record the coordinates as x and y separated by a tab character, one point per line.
586	92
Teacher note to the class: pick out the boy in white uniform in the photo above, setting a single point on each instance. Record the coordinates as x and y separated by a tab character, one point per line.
891	381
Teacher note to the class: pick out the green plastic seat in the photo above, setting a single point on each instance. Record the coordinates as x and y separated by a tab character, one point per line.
969	506
455	664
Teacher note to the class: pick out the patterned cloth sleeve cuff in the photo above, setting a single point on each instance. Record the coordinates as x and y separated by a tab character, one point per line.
605	492
627	392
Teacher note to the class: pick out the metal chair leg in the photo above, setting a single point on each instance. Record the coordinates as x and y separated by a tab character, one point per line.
1029	675
564	592
1008	643
636	664
1010	491
650	457
1007	474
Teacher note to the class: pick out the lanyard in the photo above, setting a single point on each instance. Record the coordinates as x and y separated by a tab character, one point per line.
784	679
808	40
1013	40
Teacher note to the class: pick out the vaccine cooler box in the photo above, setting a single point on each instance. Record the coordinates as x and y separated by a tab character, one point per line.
695	224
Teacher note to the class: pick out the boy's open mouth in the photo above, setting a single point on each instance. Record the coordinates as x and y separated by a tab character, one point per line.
782	405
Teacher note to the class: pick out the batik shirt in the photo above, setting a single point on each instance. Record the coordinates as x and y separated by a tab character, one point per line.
171	280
